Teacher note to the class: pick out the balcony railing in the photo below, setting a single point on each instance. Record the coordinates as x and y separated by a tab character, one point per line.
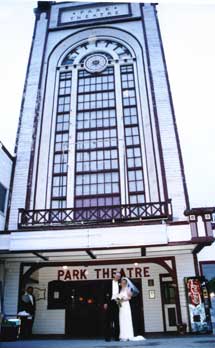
90	215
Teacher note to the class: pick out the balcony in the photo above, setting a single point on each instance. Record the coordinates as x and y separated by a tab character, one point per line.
77	217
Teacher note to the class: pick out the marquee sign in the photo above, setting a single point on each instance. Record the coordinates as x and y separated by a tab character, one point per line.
101	273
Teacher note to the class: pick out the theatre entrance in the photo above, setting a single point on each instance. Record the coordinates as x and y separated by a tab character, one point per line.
83	303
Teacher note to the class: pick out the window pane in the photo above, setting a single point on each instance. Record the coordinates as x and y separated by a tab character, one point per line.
134	160
96	129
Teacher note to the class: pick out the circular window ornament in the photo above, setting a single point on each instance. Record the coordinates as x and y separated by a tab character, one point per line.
95	63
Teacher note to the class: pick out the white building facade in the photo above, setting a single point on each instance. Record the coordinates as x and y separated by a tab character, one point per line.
99	182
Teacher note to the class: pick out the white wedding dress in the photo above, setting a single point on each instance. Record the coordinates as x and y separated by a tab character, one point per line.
125	319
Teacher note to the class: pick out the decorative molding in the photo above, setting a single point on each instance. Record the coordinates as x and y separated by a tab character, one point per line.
200	211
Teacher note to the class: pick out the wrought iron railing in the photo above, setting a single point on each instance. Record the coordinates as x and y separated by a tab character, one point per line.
88	215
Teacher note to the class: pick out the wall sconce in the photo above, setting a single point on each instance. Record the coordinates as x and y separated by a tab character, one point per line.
151	294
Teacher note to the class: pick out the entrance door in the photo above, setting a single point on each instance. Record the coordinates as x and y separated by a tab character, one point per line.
84	311
137	309
169	305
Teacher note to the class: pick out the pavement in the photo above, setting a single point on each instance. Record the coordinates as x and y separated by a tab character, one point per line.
188	341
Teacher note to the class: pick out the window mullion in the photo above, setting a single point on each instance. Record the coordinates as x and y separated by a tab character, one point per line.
72	137
121	137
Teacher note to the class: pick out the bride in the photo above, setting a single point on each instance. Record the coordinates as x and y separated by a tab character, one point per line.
128	290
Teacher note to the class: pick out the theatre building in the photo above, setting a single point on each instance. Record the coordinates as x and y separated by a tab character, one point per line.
99	183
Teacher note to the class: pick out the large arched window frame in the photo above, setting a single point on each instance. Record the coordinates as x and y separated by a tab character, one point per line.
129	128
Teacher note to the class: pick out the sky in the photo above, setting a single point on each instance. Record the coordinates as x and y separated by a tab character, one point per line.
188	32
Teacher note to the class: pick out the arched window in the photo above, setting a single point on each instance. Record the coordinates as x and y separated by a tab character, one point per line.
98	158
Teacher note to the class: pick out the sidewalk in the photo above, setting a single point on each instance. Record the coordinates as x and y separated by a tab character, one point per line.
206	341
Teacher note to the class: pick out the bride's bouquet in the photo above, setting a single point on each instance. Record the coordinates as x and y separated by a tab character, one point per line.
119	299
119	302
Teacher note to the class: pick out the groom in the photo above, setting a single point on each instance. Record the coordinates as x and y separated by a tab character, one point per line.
111	308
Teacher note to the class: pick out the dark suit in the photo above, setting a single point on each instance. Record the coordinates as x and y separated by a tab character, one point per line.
29	307
111	314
